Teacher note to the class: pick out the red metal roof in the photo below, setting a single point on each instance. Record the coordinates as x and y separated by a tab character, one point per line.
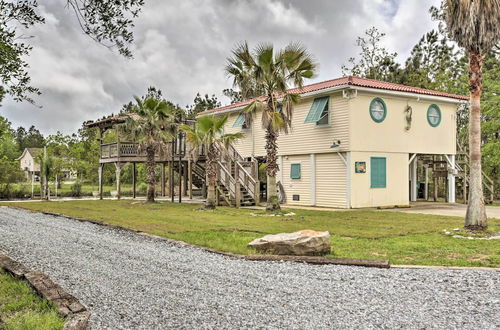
351	81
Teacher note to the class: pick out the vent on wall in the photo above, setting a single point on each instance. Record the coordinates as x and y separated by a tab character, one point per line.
296	197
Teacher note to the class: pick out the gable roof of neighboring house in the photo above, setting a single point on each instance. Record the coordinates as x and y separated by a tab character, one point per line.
346	82
31	151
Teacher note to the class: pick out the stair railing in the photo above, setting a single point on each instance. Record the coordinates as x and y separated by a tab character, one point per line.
227	180
488	183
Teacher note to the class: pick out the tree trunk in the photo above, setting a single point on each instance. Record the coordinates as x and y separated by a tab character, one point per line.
272	168
150	163
476	212
212	156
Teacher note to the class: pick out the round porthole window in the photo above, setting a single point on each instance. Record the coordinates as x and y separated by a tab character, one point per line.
378	110
434	115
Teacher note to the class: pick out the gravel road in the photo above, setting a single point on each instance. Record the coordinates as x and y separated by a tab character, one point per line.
134	282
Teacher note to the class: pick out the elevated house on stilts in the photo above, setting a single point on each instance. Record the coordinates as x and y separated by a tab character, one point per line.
357	142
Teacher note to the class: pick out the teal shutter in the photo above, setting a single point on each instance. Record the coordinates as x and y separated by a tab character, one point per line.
239	121
295	171
317	108
378	172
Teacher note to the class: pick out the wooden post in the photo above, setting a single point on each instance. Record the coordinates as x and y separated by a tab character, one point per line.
163	179
32	184
185	173
180	179
172	193
190	174
134	181
118	169
257	193
464	184
101	173
237	187
217	197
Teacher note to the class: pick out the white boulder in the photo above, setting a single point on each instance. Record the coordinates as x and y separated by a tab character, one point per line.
302	243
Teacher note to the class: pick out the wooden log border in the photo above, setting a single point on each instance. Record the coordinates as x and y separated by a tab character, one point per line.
252	257
77	316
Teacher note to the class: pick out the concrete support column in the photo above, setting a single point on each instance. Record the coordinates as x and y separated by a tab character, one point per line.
413	180
348	180
426	191
312	165
451	179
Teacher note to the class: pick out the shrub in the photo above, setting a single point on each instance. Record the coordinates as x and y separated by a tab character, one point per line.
142	188
76	189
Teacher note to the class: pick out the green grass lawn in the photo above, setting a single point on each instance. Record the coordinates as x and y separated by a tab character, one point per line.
22	309
402	238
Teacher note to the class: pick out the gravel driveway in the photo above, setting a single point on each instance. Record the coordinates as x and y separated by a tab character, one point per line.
130	281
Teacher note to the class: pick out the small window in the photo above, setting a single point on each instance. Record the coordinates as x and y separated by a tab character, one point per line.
295	171
378	110
434	115
241	122
318	111
378	172
324	119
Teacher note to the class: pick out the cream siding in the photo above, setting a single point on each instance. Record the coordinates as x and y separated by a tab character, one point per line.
331	183
297	186
396	191
244	145
390	135
302	136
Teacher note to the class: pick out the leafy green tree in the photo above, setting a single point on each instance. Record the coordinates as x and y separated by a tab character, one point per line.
208	132
435	64
374	61
46	170
273	73
202	104
490	104
29	139
9	173
108	22
8	146
234	96
474	25
153	129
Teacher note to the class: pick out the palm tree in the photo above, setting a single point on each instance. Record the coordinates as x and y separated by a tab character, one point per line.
153	128
269	74
475	26
46	170
208	133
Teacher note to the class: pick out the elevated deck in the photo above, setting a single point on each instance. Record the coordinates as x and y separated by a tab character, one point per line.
129	152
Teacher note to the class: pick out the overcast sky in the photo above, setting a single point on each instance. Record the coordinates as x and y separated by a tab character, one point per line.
181	47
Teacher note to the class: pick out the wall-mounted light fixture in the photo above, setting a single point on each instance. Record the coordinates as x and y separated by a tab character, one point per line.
335	144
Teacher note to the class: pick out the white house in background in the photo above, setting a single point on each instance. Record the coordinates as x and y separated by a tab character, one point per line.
28	164
31	168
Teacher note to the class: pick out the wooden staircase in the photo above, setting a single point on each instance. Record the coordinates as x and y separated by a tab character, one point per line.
237	178
462	177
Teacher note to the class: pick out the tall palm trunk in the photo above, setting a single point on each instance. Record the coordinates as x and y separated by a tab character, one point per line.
476	212
271	169
212	156
150	163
